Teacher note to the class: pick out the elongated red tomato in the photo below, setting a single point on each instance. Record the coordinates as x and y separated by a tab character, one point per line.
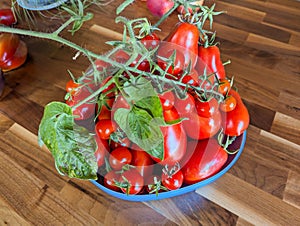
8	46
183	39
207	158
199	128
7	17
142	161
235	122
209	59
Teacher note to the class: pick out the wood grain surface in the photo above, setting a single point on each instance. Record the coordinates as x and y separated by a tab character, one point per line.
262	40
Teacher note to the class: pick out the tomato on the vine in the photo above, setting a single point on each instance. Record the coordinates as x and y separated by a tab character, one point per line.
207	158
206	108
224	86
104	128
111	179
72	86
120	157
228	104
85	110
150	41
131	182
235	122
167	100
186	105
172	180
105	108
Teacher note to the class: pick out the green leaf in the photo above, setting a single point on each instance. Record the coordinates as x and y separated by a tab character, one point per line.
142	129
123	6
71	146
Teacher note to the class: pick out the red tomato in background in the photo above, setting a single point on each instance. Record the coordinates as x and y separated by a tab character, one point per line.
228	104
159	7
207	158
7	17
133	181
120	157
199	128
235	122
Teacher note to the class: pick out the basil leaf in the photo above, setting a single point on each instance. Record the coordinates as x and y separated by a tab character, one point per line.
71	146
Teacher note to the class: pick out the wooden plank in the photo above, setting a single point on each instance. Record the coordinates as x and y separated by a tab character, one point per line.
250	203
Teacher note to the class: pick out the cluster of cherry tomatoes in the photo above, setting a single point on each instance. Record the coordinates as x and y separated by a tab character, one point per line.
192	150
13	51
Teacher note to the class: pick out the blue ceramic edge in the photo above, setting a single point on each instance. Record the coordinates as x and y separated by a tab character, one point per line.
181	191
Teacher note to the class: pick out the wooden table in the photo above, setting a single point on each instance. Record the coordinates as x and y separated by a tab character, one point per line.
261	38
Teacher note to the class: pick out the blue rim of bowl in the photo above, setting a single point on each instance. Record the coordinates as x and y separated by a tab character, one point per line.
42	5
181	191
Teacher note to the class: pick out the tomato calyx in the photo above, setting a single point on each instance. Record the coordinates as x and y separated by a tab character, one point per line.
173	170
225	142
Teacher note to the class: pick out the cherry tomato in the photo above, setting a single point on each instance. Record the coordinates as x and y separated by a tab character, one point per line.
228	104
159	7
207	158
143	66
224	86
106	106
104	128
206	108
142	161
199	128
171	115
72	86
132	182
172	181
209	58
186	105
177	66
167	100
150	41
119	158
102	150
235	122
7	17
183	38
110	180
85	110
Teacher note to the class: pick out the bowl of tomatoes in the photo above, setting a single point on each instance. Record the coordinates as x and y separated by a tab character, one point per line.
165	127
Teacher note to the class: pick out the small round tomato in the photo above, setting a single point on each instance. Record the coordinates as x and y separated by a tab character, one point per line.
72	86
111	180
167	100
106	106
7	17
131	182
207	158
150	41
186	105
120	56
102	150
142	161
189	80
224	86
104	128
228	104
120	157
85	110
206	108
172	181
